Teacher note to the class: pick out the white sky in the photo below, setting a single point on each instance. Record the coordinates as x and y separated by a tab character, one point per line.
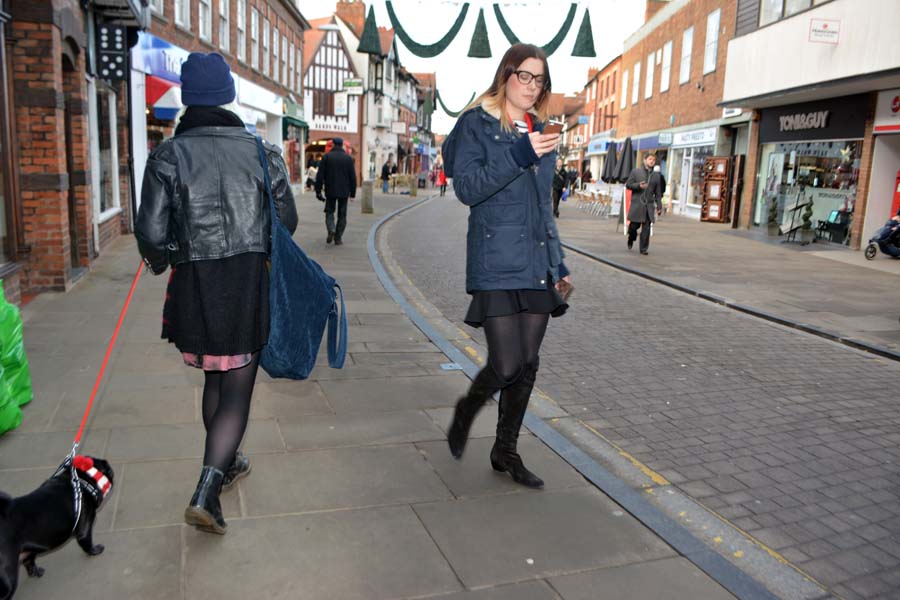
535	21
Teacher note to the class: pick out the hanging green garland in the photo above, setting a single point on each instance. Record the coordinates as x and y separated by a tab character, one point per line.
452	113
551	46
426	50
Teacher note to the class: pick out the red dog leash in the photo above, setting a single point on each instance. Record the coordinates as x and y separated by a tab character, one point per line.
71	462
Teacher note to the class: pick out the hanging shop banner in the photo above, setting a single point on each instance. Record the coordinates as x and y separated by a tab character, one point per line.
887	112
353	86
340	104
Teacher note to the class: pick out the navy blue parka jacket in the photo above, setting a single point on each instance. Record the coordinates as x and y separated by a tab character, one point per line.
512	242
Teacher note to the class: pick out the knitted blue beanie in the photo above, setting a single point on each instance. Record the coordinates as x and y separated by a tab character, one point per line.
206	80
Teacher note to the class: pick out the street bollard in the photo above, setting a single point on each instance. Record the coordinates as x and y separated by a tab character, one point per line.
366	202
413	186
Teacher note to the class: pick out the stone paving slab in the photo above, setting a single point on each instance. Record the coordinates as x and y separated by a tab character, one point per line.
364	554
359	430
527	536
397	393
657	580
533	590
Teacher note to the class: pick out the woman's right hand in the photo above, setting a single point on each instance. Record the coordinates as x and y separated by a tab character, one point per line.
543	143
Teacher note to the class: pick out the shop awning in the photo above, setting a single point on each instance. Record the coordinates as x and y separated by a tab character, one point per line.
163	96
287	120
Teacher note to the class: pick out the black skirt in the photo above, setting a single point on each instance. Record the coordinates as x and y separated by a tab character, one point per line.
218	307
499	303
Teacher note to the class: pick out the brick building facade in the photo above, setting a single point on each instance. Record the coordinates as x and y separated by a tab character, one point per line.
65	159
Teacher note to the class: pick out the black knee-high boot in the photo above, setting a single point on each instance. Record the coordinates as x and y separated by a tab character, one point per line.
205	511
513	403
485	385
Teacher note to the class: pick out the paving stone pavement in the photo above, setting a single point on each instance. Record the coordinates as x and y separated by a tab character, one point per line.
792	438
353	494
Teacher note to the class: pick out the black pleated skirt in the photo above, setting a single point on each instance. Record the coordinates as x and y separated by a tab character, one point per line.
499	303
218	307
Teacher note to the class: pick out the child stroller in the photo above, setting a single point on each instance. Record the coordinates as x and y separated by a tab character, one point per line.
886	239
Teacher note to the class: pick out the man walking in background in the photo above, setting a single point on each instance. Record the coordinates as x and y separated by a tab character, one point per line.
337	174
386	170
646	202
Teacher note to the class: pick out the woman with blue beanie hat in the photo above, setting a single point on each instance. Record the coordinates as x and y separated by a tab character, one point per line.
204	212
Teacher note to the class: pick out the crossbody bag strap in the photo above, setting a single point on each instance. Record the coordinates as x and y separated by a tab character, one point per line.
266	180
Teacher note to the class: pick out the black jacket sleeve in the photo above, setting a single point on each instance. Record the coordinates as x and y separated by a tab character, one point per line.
352	178
152	225
634	180
281	192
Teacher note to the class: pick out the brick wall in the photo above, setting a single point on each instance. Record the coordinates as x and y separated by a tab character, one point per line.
37	77
865	173
163	26
691	102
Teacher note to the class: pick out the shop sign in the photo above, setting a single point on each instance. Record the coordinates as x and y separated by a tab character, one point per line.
728	113
258	97
398	127
698	137
812	120
331	124
832	119
156	56
413	128
887	112
824	31
584	119
353	86
340	104
665	138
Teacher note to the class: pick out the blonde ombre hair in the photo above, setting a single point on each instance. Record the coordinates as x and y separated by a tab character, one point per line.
494	99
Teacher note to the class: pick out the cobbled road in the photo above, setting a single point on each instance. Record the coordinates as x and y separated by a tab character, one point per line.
792	438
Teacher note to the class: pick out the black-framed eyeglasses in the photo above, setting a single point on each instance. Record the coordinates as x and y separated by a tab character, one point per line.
526	77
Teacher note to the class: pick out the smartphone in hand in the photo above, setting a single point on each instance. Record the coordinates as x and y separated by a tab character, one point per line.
552	128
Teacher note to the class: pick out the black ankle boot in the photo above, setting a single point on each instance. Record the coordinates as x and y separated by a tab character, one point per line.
240	468
513	403
483	387
205	511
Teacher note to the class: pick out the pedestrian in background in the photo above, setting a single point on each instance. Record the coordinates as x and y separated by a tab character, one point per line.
502	168
216	310
657	174
586	178
311	176
559	184
442	181
386	175
646	202
337	175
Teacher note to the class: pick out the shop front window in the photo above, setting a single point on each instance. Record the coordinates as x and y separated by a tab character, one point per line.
108	156
824	173
699	154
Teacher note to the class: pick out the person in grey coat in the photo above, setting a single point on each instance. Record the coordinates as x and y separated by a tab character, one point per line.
646	202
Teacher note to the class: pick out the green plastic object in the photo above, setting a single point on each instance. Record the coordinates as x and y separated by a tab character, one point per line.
15	379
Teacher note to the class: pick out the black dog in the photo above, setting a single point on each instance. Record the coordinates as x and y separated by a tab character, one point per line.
45	519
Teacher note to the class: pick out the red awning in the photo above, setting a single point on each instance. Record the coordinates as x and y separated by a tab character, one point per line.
156	87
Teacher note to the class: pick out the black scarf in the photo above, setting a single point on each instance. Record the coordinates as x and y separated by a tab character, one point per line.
207	116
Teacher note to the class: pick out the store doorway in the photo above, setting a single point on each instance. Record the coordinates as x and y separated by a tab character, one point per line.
884	184
684	191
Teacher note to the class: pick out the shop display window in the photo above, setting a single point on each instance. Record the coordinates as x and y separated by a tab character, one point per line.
825	173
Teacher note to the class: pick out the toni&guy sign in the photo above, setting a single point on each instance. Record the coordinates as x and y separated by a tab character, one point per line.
812	120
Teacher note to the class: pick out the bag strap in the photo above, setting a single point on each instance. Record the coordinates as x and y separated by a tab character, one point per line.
337	345
267	181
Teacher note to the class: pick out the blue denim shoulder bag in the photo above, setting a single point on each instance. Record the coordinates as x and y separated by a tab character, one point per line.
303	299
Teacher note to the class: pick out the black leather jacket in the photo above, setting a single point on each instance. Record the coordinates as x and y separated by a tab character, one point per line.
203	198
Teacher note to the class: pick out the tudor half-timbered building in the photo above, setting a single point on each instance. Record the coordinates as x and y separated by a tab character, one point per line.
332	109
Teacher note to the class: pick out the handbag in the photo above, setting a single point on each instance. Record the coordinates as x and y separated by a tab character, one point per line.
565	194
303	301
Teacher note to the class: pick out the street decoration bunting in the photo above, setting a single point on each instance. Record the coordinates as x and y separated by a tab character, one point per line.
584	42
370	42
551	46
452	113
480	46
425	50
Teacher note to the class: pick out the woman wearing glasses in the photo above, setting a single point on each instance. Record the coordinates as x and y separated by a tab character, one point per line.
502	168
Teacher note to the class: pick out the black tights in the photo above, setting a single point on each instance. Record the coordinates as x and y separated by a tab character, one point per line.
514	342
226	409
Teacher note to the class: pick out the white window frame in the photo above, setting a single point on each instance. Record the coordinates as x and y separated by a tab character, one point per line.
273	72
241	25
624	90
265	48
183	13
687	47
284	61
224	25
648	84
204	20
636	84
299	72
157	6
96	187
665	74
711	50
254	38
291	80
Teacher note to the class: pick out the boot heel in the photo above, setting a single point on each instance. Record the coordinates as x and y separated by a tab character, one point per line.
498	467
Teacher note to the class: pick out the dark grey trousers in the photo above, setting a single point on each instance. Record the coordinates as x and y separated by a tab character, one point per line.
341	204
